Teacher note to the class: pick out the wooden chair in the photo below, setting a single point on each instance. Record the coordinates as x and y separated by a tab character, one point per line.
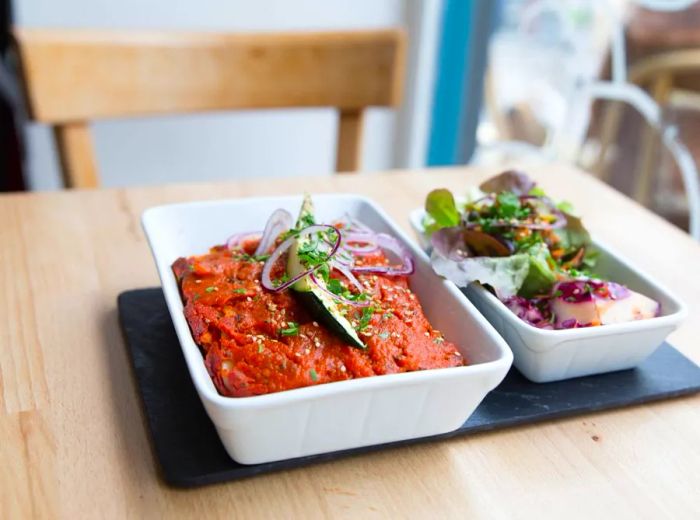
659	74
72	77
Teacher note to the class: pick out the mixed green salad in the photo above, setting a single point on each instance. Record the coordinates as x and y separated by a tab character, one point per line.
533	253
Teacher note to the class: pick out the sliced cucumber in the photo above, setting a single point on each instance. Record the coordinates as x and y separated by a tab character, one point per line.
319	303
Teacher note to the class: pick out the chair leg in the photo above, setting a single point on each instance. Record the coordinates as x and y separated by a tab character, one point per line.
349	155
609	129
649	145
76	154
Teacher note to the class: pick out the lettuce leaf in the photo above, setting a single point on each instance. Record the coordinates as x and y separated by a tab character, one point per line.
441	208
574	235
540	277
504	274
514	181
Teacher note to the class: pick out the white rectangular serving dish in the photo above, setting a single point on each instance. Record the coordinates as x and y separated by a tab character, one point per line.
334	416
552	355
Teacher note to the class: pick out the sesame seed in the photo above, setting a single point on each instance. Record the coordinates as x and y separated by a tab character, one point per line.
308	351
427	334
343	369
198	281
315	324
249	299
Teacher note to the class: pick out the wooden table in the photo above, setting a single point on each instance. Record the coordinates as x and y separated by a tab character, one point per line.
73	442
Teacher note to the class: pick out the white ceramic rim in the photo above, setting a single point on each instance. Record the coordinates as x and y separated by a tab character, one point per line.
193	355
671	319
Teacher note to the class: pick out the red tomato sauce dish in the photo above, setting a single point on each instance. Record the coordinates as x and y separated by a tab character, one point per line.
306	304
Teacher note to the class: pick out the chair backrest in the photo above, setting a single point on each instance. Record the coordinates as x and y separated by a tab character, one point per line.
74	76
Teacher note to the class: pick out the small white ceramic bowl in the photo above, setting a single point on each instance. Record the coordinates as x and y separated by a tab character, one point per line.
552	355
342	415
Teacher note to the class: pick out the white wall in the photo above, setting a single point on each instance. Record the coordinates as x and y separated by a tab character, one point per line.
224	145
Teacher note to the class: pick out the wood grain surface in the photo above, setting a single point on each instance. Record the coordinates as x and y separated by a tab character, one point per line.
72	77
73	442
77	75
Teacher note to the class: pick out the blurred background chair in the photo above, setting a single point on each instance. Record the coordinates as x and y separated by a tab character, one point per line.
547	97
661	75
73	77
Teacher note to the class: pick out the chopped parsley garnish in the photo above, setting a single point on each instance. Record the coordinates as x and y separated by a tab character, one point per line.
306	220
365	318
335	286
210	289
282	279
313	374
323	272
291	330
311	254
508	204
260	348
528	241
190	267
240	290
580	273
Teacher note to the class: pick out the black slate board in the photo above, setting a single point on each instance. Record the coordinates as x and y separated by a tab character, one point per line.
190	453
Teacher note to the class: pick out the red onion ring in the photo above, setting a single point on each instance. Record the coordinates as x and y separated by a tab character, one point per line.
341	299
348	274
279	222
267	282
350	224
344	258
369	239
234	240
388	242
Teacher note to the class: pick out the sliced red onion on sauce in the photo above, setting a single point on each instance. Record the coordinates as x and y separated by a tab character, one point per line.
235	240
344	257
267	282
351	224
390	243
360	243
348	274
279	222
